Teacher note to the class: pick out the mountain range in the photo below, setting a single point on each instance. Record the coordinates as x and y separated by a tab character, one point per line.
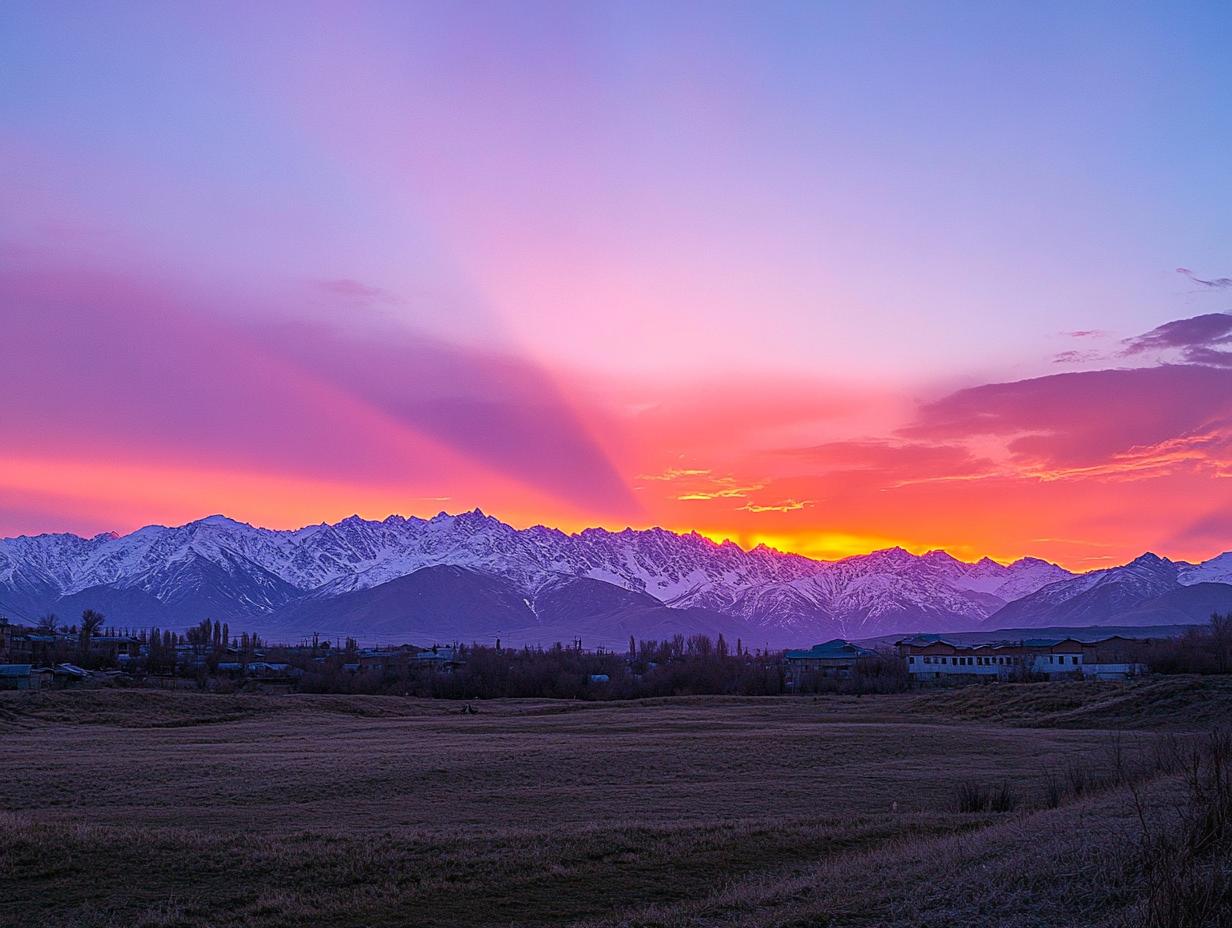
471	576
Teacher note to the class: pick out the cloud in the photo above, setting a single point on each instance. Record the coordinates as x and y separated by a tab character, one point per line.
106	361
676	473
1211	357
1086	419
1216	283
891	460
1197	339
492	407
356	291
1077	357
696	484
787	505
1197	331
725	488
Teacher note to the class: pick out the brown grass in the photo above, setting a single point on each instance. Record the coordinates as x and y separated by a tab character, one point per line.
161	809
1175	703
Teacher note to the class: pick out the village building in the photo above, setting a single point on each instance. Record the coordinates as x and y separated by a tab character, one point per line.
383	660
16	677
20	645
116	647
937	659
834	658
391	661
42	678
67	674
444	659
270	669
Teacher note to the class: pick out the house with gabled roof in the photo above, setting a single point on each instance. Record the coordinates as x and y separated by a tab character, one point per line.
833	658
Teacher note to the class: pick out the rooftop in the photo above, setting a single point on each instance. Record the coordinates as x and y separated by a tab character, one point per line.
835	648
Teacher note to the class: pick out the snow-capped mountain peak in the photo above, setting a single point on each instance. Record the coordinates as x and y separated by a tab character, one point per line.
233	568
1217	570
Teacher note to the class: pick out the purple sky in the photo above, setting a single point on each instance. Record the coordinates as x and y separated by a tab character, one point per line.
825	275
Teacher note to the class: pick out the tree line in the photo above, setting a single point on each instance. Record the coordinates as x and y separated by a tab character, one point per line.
678	666
1205	649
78	642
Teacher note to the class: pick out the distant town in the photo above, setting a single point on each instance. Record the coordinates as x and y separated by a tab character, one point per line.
210	657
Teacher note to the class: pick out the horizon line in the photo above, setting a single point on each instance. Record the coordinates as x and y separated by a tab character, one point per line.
712	538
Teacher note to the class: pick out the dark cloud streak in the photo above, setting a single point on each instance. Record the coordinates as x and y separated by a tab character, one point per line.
1197	338
1216	283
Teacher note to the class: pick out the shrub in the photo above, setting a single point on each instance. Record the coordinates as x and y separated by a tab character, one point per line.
972	797
1078	777
1003	799
1188	868
1053	791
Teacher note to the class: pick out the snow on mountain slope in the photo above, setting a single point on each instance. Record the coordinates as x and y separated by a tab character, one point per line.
236	569
1217	570
1006	581
1095	598
890	589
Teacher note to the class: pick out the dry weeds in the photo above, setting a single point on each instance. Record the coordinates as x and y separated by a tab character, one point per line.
174	809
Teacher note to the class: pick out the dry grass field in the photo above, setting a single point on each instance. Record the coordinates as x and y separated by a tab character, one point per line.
144	808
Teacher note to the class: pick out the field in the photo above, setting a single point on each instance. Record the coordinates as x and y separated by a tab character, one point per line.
152	808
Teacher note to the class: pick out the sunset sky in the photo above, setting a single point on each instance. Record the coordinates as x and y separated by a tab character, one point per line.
828	276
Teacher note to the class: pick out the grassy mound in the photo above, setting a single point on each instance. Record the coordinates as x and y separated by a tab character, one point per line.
1177	703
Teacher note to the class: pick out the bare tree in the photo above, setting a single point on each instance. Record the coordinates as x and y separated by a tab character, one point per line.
1221	641
199	635
48	623
91	622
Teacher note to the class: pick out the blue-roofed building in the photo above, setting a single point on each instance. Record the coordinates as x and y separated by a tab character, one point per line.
15	677
834	658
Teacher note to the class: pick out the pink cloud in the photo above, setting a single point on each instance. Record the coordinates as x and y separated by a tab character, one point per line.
491	407
100	363
890	460
1082	419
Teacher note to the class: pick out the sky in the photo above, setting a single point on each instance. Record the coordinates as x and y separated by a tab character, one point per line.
831	277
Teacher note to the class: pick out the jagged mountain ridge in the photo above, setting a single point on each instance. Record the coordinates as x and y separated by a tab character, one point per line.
1149	589
225	568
